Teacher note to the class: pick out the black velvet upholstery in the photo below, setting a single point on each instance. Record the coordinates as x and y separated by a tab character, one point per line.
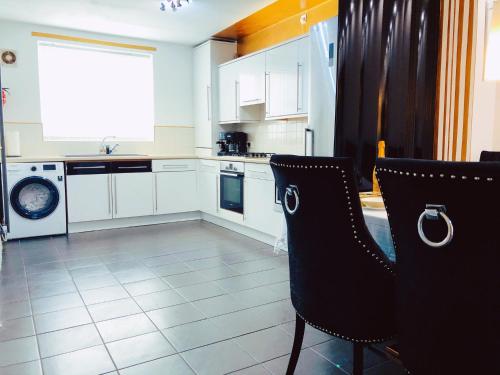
448	298
489	156
341	282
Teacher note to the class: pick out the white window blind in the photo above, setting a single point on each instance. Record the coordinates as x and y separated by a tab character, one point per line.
88	93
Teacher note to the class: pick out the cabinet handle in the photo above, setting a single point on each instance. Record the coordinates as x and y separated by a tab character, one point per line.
135	167
156	192
110	195
175	166
268	92
96	167
299	100
209	104
116	197
236	101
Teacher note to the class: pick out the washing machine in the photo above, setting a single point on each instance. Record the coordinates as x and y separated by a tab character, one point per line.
37	199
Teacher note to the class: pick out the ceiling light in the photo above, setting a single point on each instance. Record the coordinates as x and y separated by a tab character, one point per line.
172	4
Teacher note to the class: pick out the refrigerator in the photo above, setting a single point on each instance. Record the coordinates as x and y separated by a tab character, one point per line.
320	131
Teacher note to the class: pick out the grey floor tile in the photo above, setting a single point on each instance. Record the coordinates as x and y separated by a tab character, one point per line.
139	349
106	294
73	264
276	275
61	319
95	282
18	351
171	269
312	336
201	264
68	340
256	296
254	370
184	279
146	286
128	326
175	315
309	363
174	363
217	359
238	283
200	291
94	270
89	361
17	328
219	305
159	300
134	275
281	289
161	260
340	352
217	273
266	344
113	309
255	265
196	334
49	277
52	289
14	310
56	303
26	368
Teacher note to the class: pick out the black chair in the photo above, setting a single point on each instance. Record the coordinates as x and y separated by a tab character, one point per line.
444	221
489	156
341	282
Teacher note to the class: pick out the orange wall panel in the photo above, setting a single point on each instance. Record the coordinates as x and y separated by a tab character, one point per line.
286	28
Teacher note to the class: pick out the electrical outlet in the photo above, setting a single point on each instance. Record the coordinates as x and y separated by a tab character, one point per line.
303	19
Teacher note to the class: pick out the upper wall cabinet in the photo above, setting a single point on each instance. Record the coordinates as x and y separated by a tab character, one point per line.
230	111
287	79
252	72
207	58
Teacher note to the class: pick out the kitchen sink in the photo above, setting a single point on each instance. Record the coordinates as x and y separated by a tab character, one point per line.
99	155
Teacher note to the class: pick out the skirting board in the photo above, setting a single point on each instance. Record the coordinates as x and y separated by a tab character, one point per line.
238	228
90	226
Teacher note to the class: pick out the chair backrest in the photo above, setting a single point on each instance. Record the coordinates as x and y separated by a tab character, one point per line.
448	297
341	281
489	156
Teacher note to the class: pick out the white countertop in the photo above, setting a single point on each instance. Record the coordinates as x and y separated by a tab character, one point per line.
56	158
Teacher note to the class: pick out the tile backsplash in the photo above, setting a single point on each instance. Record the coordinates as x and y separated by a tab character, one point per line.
280	137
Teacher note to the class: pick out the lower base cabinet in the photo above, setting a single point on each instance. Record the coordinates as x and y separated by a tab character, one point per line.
208	192
133	194
176	192
89	197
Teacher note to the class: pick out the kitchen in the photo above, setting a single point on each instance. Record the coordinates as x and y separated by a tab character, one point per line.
140	149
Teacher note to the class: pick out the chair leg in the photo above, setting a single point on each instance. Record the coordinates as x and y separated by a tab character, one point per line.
357	359
300	326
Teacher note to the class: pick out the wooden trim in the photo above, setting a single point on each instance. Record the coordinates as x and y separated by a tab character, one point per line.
92	41
468	81
458	70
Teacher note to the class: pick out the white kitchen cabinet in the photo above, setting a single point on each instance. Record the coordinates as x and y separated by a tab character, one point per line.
252	72
206	59
133	194
260	212
287	81
89	197
230	111
175	186
208	186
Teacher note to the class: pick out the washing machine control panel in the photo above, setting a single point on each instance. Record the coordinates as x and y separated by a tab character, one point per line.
33	169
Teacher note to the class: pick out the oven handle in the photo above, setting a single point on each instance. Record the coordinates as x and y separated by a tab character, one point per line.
231	174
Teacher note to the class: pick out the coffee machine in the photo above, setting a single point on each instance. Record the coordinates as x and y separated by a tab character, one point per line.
232	144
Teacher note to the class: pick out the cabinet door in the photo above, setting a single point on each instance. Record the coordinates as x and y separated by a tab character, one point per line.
133	194
252	80
303	76
259	206
89	197
202	87
282	77
208	192
228	93
175	192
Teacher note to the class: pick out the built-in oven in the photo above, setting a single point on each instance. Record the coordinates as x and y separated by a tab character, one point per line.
232	175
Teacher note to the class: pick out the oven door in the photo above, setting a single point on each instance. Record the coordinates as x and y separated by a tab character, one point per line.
231	192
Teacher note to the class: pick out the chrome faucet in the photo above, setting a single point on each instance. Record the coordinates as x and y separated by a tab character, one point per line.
105	148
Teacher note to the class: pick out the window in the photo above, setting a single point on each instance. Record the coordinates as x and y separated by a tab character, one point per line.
88	93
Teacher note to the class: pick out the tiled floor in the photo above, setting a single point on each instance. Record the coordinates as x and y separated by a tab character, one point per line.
184	298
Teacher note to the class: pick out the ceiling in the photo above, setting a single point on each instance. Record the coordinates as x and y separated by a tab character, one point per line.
134	18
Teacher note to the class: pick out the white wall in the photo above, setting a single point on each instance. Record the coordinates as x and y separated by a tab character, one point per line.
174	133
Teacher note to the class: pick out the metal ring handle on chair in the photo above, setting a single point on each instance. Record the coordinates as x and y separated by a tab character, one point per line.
297	202
430	243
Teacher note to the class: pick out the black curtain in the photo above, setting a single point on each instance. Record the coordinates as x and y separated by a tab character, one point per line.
387	74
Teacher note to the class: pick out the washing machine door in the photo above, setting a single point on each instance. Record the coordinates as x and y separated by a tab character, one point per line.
34	197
